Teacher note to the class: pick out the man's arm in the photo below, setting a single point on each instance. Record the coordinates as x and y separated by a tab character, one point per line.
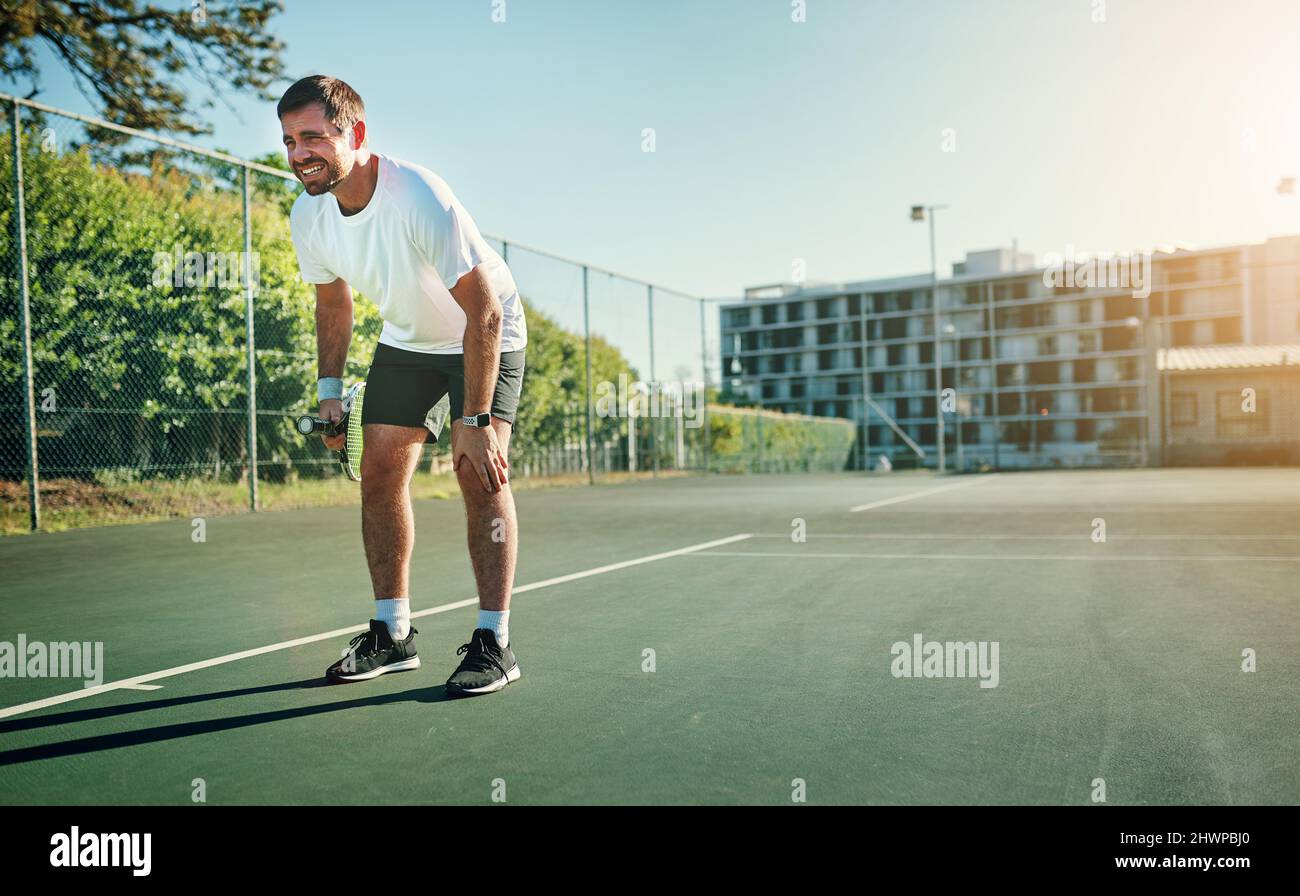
333	326
482	343
333	336
482	347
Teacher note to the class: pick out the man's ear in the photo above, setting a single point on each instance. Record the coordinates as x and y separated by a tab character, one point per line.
358	138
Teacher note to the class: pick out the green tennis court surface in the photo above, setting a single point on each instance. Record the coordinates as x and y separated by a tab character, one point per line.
1119	660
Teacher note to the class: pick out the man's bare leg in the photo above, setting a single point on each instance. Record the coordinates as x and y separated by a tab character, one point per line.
387	523
492	534
388	529
492	530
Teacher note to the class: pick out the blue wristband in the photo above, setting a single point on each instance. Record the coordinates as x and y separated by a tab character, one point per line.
329	387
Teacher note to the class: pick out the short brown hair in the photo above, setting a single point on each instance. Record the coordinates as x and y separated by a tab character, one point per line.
343	106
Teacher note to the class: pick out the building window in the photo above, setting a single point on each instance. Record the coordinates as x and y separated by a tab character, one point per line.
737	317
1235	422
1182	408
1013	289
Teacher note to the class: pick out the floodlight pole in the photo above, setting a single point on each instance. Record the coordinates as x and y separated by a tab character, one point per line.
866	385
956	355
938	339
993	370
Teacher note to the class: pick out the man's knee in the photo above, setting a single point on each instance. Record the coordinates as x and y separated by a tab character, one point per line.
471	486
389	459
379	481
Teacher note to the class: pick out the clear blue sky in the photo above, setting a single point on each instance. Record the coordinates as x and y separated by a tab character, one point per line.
778	141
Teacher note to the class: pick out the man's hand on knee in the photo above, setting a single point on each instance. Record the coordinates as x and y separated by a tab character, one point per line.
480	448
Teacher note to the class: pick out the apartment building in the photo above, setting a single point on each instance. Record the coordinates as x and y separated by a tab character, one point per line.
1047	366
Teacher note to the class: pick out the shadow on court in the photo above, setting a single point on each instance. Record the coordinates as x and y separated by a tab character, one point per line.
160	733
106	712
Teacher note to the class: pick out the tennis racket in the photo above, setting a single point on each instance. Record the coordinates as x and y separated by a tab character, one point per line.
348	425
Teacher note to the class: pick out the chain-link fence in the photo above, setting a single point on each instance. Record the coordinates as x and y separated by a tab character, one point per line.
139	275
125	366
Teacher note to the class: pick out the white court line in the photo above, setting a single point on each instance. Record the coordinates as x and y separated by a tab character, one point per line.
985	536
134	682
801	554
1147	510
921	494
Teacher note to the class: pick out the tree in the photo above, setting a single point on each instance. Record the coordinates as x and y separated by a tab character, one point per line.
271	188
125	56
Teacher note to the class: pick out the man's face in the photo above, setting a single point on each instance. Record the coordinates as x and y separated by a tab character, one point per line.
319	153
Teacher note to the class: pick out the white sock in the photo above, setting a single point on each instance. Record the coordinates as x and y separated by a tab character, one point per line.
395	612
498	621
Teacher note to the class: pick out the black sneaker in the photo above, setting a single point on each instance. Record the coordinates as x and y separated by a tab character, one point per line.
373	653
486	667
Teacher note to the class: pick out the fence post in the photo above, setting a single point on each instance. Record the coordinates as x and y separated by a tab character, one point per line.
586	329
654	417
252	348
25	324
704	372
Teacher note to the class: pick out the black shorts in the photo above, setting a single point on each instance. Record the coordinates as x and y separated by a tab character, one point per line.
403	387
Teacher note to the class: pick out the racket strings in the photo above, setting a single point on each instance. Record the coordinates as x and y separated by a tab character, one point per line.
353	446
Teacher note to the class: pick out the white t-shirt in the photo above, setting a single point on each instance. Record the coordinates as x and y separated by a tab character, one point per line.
405	250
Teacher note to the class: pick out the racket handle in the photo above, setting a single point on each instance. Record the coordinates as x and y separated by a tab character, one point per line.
309	425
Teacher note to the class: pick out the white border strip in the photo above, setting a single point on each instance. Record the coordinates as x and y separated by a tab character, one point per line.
135	682
1107	557
975	480
935	536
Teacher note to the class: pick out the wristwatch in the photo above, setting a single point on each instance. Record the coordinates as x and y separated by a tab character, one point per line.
477	420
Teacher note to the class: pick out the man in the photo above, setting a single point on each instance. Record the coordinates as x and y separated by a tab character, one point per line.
453	325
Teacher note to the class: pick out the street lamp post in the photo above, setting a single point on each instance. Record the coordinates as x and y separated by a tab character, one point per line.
951	330
926	213
1151	383
866	384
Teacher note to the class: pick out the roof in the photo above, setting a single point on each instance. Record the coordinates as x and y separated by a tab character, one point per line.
1228	357
1160	254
